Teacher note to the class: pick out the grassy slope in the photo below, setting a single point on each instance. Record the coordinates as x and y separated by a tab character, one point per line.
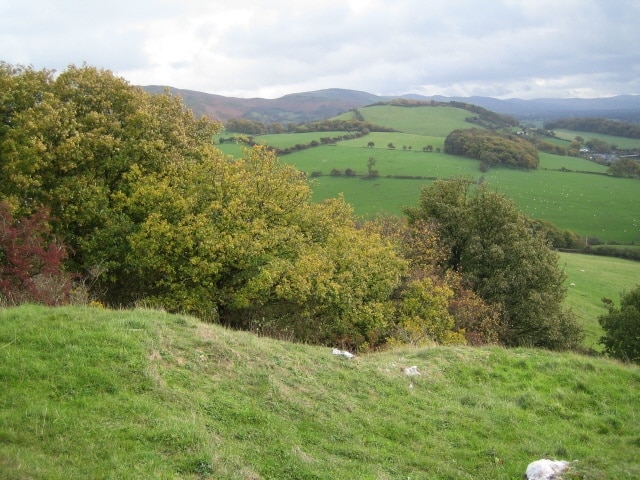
591	278
89	393
434	121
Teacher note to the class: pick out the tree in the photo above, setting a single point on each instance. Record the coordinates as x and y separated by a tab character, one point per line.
72	150
622	327
373	173
391	146
506	263
371	144
492	147
625	167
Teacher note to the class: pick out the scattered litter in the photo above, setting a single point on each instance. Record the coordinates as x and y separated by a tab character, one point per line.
344	353
546	469
411	371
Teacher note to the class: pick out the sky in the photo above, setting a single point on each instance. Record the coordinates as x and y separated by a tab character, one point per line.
250	48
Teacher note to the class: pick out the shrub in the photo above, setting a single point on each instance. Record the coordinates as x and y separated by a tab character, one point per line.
622	327
31	260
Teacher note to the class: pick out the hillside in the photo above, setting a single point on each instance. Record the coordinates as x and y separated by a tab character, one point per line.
322	104
91	393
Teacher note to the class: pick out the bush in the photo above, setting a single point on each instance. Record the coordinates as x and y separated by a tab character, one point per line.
622	327
31	260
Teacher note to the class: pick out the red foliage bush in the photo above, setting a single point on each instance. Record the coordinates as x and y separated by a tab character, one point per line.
31	260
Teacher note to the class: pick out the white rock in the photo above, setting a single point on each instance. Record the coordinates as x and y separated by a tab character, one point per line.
344	353
546	469
411	371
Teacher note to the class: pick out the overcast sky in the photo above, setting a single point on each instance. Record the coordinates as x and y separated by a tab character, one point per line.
252	48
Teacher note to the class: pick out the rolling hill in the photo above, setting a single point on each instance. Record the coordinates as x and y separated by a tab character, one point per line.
321	104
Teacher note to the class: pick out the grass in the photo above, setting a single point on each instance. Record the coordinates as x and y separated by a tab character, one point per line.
575	201
591	205
572	200
90	393
591	278
431	121
285	140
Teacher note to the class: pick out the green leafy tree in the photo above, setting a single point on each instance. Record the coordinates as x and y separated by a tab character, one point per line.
492	148
625	167
622	327
507	264
72	149
241	241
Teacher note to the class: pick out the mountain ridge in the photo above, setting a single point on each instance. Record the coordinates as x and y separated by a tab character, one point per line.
325	103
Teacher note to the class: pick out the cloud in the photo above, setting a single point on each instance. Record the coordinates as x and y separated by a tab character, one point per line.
250	48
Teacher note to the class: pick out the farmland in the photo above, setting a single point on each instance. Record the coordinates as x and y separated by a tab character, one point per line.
572	193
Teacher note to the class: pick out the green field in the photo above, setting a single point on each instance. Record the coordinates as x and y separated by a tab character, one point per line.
285	140
597	206
591	204
591	278
91	393
430	121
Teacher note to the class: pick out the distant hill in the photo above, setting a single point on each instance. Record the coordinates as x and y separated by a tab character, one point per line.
322	104
296	107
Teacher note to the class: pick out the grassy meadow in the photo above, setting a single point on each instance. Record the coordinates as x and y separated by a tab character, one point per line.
91	393
591	278
582	199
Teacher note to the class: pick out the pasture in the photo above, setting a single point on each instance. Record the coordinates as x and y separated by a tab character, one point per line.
437	121
592	205
572	193
591	278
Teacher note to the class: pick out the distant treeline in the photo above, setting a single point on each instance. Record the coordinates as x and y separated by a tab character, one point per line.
252	127
357	124
492	148
314	143
596	125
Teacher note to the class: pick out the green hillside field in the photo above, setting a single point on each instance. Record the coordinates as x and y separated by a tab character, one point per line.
572	193
591	278
91	393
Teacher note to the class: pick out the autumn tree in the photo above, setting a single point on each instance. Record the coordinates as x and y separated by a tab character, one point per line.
432	304
242	242
502	260
492	148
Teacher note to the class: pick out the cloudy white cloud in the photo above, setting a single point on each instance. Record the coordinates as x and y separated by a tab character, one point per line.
252	48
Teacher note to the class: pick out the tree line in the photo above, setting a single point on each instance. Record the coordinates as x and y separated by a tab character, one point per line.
596	125
252	127
112	195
